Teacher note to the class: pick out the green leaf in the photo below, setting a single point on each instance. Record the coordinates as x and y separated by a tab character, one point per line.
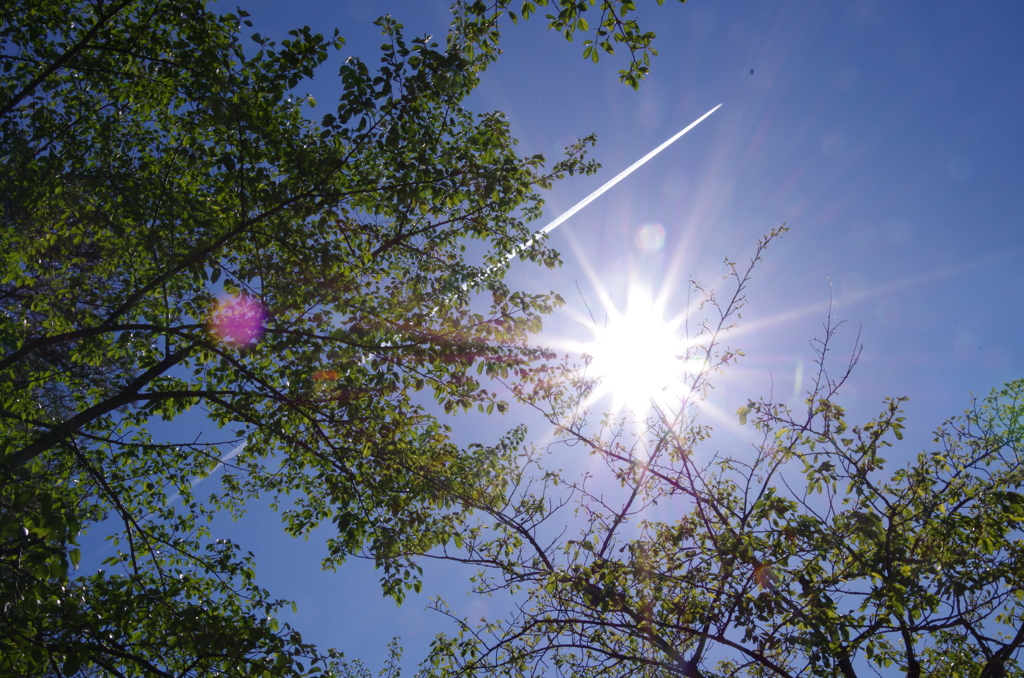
743	412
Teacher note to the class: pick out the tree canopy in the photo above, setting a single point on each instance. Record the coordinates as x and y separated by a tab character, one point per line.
179	235
182	237
805	554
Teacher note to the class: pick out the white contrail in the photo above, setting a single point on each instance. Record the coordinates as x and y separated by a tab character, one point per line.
220	462
596	194
223	460
623	174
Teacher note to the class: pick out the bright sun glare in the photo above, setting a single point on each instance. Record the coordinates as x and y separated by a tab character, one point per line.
638	356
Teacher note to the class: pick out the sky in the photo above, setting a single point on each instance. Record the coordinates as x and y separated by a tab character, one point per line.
886	136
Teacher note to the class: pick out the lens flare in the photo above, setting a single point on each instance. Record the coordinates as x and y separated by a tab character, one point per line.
651	238
237	320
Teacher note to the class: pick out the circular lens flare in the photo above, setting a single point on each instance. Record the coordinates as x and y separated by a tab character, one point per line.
237	320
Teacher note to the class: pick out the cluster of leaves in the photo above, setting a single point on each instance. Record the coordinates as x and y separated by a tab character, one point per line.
178	235
614	27
802	556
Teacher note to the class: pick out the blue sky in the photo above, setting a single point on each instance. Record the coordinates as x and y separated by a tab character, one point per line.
886	135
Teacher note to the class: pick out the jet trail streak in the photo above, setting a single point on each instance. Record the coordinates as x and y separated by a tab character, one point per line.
596	194
623	174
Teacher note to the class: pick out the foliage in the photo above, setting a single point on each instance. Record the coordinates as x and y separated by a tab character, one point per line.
178	235
615	25
803	556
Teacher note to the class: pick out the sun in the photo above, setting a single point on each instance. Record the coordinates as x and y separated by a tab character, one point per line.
638	356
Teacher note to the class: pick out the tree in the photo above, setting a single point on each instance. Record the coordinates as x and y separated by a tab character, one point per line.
804	556
179	236
614	26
